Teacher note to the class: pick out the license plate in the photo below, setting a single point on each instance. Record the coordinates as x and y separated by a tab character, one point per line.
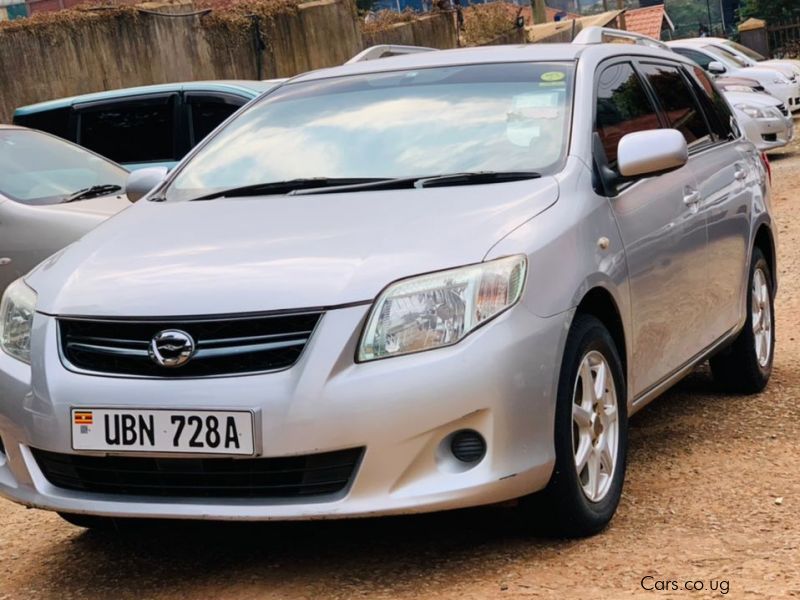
184	431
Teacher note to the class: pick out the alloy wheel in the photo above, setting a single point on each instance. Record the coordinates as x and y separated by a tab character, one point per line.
761	318
595	425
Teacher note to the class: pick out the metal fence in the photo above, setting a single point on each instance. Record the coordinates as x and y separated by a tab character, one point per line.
784	38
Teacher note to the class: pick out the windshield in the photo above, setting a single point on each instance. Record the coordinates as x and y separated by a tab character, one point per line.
751	54
412	123
36	168
726	56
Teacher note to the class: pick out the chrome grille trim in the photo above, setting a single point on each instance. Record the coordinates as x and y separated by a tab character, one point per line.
228	346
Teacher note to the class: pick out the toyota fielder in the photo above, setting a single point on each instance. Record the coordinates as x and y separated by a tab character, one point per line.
432	281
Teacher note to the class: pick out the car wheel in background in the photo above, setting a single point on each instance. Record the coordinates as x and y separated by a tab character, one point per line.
590	437
746	365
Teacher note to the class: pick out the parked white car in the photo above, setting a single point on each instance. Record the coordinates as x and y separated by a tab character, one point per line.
750	56
779	81
763	119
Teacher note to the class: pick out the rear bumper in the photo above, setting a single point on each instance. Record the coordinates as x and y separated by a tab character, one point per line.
499	381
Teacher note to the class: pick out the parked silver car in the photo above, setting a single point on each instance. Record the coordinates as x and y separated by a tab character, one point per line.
426	282
51	193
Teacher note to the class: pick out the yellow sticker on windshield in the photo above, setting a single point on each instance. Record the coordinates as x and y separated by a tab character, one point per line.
552	76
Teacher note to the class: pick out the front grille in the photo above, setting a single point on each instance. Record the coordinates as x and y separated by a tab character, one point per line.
222	346
285	477
783	109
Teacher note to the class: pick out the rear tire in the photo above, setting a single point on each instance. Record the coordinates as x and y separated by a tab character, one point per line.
590	439
745	367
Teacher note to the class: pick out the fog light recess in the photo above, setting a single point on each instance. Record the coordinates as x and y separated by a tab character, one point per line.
468	446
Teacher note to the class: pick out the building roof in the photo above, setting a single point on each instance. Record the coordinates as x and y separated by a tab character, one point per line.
649	21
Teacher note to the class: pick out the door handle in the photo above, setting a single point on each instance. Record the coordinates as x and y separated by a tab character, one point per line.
5	261
691	197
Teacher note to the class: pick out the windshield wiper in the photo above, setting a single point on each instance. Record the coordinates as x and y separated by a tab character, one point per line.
448	179
475	178
335	185
93	192
285	187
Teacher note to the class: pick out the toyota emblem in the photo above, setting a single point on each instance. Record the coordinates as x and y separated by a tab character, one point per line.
171	348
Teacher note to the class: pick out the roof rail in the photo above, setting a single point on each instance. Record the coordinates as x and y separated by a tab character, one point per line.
606	35
385	51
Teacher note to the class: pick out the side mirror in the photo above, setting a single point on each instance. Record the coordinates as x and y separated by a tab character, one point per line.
650	152
140	182
716	68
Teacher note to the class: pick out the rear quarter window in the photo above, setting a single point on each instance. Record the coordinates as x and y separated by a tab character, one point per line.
55	121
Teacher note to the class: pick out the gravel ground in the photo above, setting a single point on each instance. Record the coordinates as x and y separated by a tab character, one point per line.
712	497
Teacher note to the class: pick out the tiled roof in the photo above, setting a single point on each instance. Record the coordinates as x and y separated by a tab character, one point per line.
647	21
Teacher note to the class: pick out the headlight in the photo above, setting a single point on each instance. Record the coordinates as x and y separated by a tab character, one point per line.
751	111
439	309
16	320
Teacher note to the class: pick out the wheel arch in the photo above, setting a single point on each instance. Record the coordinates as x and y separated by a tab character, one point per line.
765	241
600	303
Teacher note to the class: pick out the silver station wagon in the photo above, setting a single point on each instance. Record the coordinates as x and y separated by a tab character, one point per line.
425	282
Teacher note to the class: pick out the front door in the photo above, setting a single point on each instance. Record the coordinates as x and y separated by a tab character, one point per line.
664	234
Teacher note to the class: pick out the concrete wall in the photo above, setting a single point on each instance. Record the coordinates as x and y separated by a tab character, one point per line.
433	31
122	48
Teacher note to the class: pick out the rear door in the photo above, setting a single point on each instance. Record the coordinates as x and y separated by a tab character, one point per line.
663	234
136	132
727	179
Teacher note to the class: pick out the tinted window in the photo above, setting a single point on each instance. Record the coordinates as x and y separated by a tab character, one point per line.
717	109
678	102
40	169
52	121
206	112
409	123
725	56
700	58
131	132
622	107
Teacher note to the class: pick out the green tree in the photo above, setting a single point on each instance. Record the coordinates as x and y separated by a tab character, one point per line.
769	10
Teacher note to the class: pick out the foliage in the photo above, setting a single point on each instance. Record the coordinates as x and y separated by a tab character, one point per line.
385	19
687	15
483	23
769	10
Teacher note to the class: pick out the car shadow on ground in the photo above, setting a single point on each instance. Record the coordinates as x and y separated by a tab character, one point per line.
176	554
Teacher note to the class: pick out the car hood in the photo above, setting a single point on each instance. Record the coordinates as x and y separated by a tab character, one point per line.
104	206
753	98
278	252
765	75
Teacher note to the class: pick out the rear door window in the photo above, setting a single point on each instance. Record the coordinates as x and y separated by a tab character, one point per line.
131	131
678	102
623	107
719	113
206	111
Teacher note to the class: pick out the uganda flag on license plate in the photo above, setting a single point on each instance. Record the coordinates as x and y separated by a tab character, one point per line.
83	418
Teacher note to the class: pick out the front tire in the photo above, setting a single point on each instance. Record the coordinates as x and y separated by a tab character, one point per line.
745	367
591	438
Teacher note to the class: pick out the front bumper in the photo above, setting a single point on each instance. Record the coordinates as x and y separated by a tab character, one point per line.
769	133
499	381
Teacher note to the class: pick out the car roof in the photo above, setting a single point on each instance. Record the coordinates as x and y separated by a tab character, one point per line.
243	87
491	55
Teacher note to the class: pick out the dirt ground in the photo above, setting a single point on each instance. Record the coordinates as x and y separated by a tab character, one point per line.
712	497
